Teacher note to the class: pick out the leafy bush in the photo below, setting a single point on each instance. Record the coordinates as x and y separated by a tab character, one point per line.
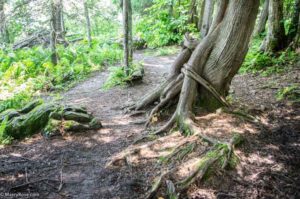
267	64
159	28
118	77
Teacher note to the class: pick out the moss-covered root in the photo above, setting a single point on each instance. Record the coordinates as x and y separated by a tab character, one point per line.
49	118
218	158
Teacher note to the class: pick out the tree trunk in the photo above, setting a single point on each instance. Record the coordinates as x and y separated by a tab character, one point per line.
171	8
293	29
276	39
193	12
88	23
3	27
263	18
207	17
201	13
127	25
53	32
209	69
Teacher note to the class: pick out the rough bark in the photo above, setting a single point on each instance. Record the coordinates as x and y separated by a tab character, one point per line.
263	18
3	26
207	17
193	12
293	29
201	13
88	23
127	26
276	39
204	74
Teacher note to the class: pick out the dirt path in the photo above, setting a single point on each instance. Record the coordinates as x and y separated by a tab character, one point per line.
81	158
74	166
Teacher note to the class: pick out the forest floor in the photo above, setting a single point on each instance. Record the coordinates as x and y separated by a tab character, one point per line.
75	166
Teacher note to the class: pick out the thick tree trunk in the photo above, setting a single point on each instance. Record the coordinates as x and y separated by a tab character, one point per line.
88	23
207	17
3	27
276	39
295	22
263	18
209	69
127	26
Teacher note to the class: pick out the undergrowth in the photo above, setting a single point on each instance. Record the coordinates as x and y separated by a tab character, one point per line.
291	93
28	72
267	64
118	77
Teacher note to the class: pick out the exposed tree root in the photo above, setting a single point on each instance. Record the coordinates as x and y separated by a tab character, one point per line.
48	118
219	157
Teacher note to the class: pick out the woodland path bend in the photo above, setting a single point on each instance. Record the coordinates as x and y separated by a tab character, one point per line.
81	158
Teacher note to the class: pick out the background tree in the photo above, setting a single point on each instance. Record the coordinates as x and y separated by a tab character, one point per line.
293	29
276	39
3	26
127	26
88	23
263	18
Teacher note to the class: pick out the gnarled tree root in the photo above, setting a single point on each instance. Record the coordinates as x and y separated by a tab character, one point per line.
219	157
48	118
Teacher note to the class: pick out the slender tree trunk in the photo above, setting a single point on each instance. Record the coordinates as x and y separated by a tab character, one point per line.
54	31
201	13
207	17
276	39
88	23
263	18
127	25
193	12
171	8
3	27
293	29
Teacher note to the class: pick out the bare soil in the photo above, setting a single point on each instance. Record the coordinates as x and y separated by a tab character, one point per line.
75	166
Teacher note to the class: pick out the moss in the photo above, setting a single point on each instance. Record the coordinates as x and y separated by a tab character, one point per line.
46	118
52	128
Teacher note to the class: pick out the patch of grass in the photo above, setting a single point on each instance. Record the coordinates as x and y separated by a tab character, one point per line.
118	77
291	93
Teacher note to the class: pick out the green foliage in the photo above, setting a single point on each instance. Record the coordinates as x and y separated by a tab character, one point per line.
118	77
267	64
18	100
291	93
160	26
28	72
4	139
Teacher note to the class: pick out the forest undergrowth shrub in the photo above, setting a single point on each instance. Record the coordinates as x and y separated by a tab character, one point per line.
28	72
118	77
267	64
160	27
